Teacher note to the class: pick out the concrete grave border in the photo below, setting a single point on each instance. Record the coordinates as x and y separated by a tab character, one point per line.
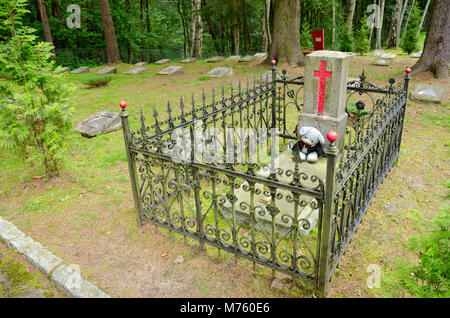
64	277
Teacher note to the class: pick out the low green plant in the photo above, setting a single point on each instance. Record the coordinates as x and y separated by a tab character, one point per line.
430	277
34	122
97	81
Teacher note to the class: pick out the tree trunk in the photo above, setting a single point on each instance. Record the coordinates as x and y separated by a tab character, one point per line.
371	29
110	35
402	15
286	33
45	24
436	51
351	12
184	27
266	27
392	40
235	27
380	24
423	16
196	30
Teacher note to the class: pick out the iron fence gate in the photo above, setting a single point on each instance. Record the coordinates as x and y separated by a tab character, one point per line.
285	217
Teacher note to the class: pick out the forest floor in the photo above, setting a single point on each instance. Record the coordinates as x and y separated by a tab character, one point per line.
86	215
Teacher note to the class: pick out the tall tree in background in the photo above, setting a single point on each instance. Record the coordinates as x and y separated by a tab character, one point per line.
286	34
196	30
266	39
392	39
407	21
423	16
380	25
110	35
436	51
350	13
235	28
45	24
402	14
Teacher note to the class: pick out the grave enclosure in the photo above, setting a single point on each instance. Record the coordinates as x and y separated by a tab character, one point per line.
289	215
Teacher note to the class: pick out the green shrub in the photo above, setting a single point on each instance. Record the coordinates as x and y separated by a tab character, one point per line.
362	37
306	37
411	37
97	81
430	277
33	120
347	41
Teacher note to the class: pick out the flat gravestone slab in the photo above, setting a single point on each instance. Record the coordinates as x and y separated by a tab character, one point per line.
260	55
163	61
282	224
188	60
83	69
388	56
171	70
137	70
429	93
416	54
378	53
382	61
100	123
107	70
214	59
62	70
220	72
140	63
246	59
234	58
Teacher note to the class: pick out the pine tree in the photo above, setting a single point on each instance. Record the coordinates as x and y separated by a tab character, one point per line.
306	37
411	38
347	41
362	37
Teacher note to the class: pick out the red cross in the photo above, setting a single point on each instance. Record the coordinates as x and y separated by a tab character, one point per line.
322	74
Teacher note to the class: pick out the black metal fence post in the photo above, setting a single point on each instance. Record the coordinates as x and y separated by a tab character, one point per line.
327	219
131	164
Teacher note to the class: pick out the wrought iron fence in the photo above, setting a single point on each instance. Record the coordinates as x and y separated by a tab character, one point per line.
273	210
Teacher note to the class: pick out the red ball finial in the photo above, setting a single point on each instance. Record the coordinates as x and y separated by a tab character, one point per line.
332	136
274	62
123	104
408	70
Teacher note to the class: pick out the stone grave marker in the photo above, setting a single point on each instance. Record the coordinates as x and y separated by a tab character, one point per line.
83	69
416	54
220	72
260	55
100	123
234	58
267	76
163	61
137	70
429	93
140	63
382	61
214	59
171	70
62	70
246	59
326	74
389	56
107	70
188	60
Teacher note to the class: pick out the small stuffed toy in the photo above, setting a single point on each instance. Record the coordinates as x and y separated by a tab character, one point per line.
309	147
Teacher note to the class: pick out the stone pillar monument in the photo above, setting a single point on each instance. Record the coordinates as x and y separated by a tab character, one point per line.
325	93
